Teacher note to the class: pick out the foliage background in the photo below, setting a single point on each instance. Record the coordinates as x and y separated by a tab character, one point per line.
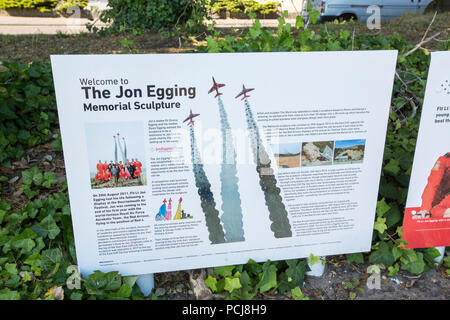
36	237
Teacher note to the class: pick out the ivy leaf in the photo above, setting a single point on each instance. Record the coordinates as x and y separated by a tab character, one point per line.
47	227
355	257
122	293
313	259
224	271
299	22
34	261
11	268
211	282
412	261
232	284
99	282
380	225
393	216
213	45
76	295
7	294
269	278
253	267
2	215
296	271
49	179
383	255
130	280
393	270
392	167
382	207
298	294
50	258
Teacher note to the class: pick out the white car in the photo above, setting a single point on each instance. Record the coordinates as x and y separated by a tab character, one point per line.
357	9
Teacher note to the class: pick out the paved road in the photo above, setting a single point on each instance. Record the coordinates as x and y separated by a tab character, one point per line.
34	25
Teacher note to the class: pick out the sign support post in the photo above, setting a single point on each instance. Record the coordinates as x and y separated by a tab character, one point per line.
146	283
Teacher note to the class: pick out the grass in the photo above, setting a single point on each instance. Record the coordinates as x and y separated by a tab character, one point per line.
26	48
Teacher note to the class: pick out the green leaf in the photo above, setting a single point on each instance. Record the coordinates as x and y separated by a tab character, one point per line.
49	179
393	270
380	225
130	280
232	284
99	282
383	255
382	207
392	167
296	271
355	257
298	294
211	282
11	268
2	215
47	227
412	261
76	295
50	258
269	278
7	294
299	22
313	259
224	271
122	293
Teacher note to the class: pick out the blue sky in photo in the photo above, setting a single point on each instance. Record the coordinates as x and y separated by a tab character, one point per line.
286	148
349	143
100	141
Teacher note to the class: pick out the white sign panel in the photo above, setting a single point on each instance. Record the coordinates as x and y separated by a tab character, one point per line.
427	215
196	160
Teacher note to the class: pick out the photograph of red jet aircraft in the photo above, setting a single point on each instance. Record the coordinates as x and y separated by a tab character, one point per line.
191	117
244	92
216	87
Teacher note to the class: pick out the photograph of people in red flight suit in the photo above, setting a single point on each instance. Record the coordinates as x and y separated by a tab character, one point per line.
436	196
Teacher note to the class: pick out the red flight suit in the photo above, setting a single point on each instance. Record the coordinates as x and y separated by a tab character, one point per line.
100	171
138	165
436	196
107	175
123	174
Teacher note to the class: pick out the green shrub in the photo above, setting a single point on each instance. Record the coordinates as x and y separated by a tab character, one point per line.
157	15
246	6
42	5
27	107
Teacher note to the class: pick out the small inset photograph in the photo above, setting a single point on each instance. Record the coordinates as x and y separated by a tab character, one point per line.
287	154
116	154
318	153
349	151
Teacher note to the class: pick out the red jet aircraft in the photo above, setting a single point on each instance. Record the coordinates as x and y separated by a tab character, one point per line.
244	92
191	117
216	87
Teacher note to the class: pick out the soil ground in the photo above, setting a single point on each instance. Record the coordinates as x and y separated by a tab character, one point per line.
288	161
431	285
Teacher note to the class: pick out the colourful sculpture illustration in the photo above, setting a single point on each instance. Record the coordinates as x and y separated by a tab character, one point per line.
178	214
161	215
165	212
